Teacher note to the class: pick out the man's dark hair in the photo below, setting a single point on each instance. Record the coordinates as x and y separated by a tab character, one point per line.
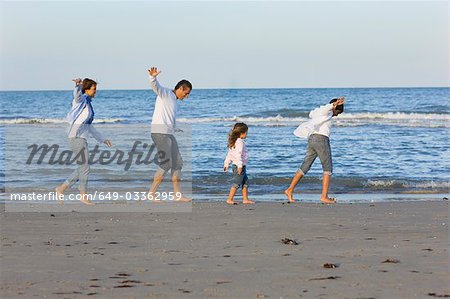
338	107
87	84
185	84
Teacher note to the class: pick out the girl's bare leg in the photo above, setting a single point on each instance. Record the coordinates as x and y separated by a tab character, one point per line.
289	192
245	199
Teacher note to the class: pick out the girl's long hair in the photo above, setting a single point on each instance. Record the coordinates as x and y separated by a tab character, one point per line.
238	129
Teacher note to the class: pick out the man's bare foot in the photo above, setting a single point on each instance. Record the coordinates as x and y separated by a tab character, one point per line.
151	198
87	202
230	202
248	202
328	200
59	192
290	195
183	199
84	199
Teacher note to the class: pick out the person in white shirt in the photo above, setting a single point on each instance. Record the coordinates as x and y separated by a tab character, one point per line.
162	129
238	155
317	130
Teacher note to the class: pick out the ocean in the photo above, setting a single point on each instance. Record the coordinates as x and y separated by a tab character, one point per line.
391	143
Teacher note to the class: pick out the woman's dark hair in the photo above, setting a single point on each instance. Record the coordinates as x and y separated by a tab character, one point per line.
184	83
238	129
338	107
87	84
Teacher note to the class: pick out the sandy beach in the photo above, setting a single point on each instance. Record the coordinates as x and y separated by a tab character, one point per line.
373	250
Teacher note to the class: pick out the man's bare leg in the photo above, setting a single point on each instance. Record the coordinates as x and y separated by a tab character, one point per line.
157	180
325	186
245	199
176	181
289	192
59	192
230	200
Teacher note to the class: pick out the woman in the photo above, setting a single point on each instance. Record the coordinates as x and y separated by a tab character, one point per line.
80	119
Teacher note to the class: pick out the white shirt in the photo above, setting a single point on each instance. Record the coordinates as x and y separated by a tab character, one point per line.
320	122
238	154
166	107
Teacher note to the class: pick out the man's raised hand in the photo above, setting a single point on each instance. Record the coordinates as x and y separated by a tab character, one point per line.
340	101
107	142
153	71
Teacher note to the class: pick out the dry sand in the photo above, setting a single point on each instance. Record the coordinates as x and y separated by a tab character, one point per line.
381	250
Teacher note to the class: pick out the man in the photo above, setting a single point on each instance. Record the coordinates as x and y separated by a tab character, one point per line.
163	127
317	130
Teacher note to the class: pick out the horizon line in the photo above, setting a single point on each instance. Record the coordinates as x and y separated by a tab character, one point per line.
235	88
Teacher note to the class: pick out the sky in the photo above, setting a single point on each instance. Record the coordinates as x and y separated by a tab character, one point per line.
232	44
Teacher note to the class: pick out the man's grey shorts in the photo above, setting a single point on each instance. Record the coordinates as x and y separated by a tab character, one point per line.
318	145
167	144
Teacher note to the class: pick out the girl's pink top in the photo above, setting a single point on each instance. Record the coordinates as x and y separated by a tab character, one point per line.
237	155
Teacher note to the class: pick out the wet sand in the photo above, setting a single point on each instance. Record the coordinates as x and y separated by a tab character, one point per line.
373	250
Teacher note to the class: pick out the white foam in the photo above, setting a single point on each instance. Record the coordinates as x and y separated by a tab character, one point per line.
108	120
381	183
248	119
51	121
402	184
395	115
430	120
433	185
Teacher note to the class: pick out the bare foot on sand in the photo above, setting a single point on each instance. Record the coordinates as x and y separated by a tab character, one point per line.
290	195
59	192
328	200
183	199
247	202
151	198
230	202
87	202
84	199
156	199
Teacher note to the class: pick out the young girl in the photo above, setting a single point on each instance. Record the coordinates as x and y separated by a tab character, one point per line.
80	119
238	155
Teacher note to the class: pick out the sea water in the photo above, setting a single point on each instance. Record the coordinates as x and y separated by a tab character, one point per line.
387	141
